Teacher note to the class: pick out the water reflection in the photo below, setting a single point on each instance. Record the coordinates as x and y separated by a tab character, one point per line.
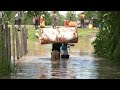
82	64
82	67
55	69
108	69
63	68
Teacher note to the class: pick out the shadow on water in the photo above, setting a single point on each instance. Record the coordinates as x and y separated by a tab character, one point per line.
108	69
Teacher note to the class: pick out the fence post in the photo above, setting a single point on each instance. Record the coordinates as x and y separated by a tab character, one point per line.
17	44
13	43
26	37
5	35
9	45
22	40
1	43
6	50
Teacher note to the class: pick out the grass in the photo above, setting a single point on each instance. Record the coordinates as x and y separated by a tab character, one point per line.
86	32
84	44
31	33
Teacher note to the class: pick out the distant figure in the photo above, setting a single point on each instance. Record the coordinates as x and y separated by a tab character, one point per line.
66	23
18	20
95	22
36	21
54	19
42	21
86	22
82	17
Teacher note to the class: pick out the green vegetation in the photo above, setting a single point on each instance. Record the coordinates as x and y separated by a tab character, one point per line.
70	15
31	33
86	32
107	43
27	17
5	60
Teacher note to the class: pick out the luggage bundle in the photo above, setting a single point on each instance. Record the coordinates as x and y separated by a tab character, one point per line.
59	35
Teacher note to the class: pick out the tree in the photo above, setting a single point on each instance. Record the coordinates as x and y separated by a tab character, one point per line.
8	16
78	17
91	14
70	15
47	18
27	17
60	19
107	43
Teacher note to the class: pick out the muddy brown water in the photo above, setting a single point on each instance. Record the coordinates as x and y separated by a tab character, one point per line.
82	64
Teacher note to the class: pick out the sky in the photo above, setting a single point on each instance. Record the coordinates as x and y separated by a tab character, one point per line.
64	12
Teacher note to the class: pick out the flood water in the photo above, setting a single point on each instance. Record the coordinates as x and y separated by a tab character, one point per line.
82	64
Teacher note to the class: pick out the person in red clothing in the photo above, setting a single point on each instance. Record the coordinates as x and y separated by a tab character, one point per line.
36	21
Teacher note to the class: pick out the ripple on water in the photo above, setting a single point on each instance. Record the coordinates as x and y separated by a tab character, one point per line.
78	67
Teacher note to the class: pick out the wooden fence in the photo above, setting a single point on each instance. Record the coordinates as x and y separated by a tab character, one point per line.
5	43
19	42
13	43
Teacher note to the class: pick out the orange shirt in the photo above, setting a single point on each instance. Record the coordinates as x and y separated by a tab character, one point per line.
42	20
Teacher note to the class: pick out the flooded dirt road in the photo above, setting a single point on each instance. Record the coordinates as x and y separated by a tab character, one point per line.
82	64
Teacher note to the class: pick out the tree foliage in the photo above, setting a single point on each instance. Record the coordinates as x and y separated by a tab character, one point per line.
27	17
70	15
91	14
60	19
107	43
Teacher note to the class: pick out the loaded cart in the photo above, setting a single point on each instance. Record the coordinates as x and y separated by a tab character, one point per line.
63	35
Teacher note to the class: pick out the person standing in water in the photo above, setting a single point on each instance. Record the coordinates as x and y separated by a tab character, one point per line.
55	46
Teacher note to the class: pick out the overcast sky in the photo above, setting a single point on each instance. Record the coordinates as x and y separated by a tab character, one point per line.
64	12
